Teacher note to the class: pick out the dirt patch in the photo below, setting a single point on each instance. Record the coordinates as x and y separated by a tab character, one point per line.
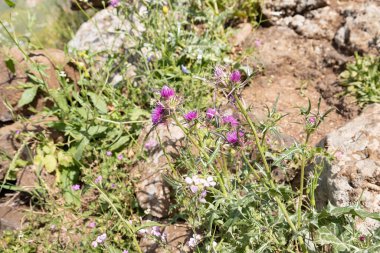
294	68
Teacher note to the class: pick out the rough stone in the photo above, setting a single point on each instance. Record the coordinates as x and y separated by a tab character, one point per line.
175	240
152	192
321	23
360	31
106	31
10	218
354	176
275	10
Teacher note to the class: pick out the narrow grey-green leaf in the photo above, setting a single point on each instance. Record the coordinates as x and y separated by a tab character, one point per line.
27	96
98	102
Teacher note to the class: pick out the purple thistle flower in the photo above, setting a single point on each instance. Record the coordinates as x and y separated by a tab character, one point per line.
120	157
210	113
192	115
125	251
167	92
158	113
185	70
362	238
235	76
75	187
233	138
108	153
114	3
229	119
311	120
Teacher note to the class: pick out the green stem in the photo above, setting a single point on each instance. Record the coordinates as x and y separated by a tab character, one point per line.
267	168
300	198
129	226
204	153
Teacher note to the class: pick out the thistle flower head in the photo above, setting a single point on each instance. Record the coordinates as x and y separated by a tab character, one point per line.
210	113
229	119
158	113
235	76
233	137
190	116
311	120
167	92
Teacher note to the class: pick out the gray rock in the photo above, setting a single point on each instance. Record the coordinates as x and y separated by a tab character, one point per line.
317	24
361	30
275	10
10	218
107	31
152	192
354	176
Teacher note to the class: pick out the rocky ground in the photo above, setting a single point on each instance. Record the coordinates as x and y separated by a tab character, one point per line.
300	50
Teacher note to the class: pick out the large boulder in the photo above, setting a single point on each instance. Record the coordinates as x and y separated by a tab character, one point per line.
107	31
152	192
354	176
360	31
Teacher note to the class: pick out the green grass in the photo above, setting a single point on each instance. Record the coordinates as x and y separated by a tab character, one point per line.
246	211
361	79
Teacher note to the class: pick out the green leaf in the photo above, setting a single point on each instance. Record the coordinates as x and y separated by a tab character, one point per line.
137	113
10	3
98	102
119	143
94	130
50	163
60	100
64	159
27	96
79	150
326	237
10	65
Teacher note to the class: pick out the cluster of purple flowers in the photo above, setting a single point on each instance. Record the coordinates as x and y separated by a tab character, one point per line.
114	3
194	241
99	240
198	184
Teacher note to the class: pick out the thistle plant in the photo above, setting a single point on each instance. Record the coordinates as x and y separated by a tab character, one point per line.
226	188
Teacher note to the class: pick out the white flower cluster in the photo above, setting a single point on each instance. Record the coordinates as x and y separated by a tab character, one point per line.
194	241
